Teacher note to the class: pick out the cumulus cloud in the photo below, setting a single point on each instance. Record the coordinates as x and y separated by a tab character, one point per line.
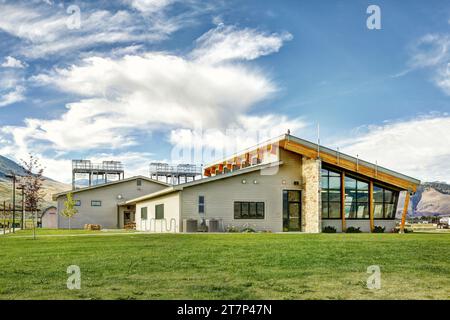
146	92
227	43
11	62
418	147
131	94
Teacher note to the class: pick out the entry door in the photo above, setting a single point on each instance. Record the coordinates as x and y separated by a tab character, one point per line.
292	210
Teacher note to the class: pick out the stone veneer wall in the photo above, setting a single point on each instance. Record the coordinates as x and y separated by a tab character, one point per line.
311	218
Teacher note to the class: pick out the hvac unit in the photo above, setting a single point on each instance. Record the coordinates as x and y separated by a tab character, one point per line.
190	225
213	225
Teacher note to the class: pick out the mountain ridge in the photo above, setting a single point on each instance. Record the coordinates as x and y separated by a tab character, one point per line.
8	166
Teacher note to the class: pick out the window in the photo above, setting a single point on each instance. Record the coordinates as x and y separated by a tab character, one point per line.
385	202
77	203
248	210
144	213
159	211
201	204
96	203
139	182
331	194
356	199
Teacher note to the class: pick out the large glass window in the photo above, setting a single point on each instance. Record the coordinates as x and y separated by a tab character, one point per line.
248	210
385	202
356	199
331	194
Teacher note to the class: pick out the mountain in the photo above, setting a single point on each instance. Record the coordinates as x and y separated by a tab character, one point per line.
432	198
7	166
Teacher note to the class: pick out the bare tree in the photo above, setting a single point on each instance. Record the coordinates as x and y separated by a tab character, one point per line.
32	187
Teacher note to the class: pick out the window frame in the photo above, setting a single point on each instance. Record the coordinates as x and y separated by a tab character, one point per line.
77	203
249	204
160	205
144	210
327	192
357	192
383	203
96	201
201	204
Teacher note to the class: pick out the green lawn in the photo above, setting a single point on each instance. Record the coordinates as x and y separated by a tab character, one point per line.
227	266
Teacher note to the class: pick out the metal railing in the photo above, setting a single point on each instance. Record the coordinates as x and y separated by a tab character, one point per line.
162	226
105	165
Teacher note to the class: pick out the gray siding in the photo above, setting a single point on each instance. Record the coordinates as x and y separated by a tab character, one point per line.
107	214
220	195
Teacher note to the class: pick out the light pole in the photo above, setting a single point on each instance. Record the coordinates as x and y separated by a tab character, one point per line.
13	176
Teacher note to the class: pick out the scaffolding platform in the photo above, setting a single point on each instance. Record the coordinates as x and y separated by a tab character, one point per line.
104	170
174	174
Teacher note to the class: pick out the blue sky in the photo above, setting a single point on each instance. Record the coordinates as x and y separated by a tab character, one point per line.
138	80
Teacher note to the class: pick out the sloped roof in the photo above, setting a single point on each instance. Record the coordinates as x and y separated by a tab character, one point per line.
180	187
332	157
103	185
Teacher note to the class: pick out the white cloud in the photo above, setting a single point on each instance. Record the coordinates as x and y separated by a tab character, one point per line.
149	6
227	43
432	52
12	88
201	145
419	147
13	96
11	62
146	92
45	30
129	95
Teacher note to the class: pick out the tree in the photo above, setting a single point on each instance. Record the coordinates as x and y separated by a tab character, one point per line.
32	187
69	208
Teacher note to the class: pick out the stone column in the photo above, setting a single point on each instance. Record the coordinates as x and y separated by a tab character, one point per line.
311	217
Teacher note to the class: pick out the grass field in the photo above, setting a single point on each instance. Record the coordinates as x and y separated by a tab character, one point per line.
227	266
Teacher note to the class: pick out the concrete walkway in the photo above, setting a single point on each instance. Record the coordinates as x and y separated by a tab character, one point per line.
78	235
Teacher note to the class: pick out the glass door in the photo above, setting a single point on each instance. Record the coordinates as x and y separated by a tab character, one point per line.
292	210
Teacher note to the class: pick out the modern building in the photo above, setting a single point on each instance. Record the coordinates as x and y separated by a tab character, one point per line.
285	184
100	204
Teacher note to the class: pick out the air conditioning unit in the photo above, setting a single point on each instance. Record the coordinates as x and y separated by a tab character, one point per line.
213	225
190	225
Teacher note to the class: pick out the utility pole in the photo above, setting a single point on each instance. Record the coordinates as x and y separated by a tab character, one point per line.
13	176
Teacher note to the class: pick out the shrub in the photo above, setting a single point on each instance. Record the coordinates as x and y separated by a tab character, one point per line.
378	229
248	230
353	230
231	229
329	229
